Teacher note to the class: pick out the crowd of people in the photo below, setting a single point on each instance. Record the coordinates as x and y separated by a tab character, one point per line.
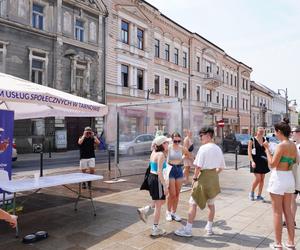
169	168
170	165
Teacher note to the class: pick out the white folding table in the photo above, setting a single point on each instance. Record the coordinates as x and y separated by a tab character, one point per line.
30	184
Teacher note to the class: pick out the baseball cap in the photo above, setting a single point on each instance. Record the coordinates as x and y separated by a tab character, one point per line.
87	129
159	140
206	129
296	129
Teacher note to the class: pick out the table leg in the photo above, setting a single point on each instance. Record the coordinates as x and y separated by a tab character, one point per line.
14	204
91	198
78	197
3	201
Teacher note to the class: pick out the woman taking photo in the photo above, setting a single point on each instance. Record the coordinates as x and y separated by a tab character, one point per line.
176	153
282	183
259	164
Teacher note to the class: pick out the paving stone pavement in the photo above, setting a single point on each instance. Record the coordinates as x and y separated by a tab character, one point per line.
239	223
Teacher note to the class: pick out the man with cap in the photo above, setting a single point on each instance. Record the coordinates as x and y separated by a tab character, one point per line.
208	163
87	152
296	169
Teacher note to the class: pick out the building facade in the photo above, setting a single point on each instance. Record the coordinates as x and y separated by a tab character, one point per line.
151	57
56	43
261	107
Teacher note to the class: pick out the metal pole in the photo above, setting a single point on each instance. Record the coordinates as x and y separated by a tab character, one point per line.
49	148
181	113
117	145
286	104
41	163
236	158
223	126
109	164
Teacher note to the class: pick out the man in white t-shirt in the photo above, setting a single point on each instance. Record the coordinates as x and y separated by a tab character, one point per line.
209	157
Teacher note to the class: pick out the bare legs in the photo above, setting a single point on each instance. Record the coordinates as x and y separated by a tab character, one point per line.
173	197
186	174
258	181
158	205
282	204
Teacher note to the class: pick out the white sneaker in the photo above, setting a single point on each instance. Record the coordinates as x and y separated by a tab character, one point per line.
209	231
176	217
144	212
168	216
156	231
183	232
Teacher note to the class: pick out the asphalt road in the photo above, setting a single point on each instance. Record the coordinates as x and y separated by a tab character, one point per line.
68	159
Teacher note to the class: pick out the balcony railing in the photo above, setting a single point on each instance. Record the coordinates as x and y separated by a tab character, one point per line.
212	80
211	107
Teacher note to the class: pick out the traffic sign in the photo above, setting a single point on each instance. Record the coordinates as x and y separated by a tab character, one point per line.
221	123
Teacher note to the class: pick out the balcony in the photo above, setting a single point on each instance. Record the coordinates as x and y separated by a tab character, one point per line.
212	108
212	80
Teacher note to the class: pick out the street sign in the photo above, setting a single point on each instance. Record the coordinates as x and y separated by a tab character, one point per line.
221	123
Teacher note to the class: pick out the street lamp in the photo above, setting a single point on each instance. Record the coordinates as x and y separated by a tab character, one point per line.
286	101
222	117
149	91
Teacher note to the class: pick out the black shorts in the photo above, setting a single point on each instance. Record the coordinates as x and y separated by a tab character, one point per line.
156	189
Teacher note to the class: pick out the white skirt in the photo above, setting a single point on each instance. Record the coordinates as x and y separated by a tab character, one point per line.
281	182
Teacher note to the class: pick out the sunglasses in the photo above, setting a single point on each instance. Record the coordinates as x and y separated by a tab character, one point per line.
175	141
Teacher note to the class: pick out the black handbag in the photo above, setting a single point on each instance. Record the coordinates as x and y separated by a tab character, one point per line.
145	185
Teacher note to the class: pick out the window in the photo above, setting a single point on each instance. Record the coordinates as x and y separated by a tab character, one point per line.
246	84
38	16
208	95
198	64
218	97
125	32
2	56
79	30
227	77
223	75
176	88
231	79
234	81
235	102
184	92
243	104
208	67
231	102
198	93
37	71
243	83
140	38
218	70
124	75
227	101
38	66
176	56
167	52
167	87
184	62
156	84
157	47
79	79
140	79
246	104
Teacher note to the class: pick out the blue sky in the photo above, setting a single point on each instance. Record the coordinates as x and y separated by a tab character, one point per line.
264	34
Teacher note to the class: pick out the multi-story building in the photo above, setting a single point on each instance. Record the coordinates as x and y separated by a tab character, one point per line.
279	108
293	115
152	57
56	43
261	107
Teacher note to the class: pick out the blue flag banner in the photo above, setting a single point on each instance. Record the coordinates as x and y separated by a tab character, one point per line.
6	140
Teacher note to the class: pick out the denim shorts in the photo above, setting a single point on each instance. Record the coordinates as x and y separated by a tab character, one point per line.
176	172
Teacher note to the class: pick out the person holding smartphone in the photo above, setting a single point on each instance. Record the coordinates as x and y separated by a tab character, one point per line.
258	163
87	152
